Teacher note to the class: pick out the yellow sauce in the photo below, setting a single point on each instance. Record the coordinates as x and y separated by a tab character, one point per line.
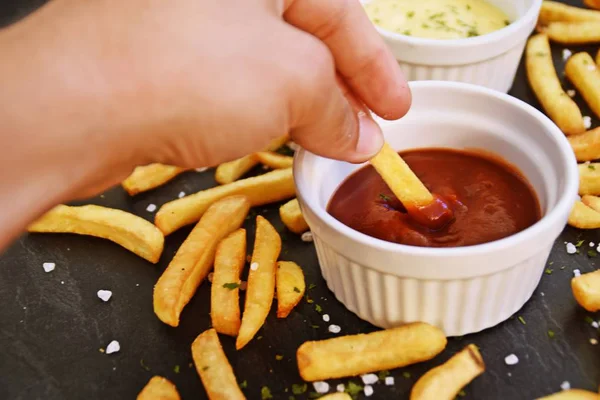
437	19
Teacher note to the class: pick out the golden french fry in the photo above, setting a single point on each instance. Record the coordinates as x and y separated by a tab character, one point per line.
447	380
592	202
194	259
159	388
128	230
586	32
572	394
273	186
232	171
555	11
586	146
545	83
585	75
148	177
214	368
592	4
290	287
589	179
360	354
292	218
224	295
261	281
586	290
336	396
584	217
274	160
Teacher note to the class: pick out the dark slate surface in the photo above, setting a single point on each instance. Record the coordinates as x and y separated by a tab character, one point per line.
53	325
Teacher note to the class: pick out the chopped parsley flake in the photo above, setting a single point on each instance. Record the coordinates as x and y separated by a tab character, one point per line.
548	271
278	357
425	26
299	388
176	369
244	384
406	32
410	14
231	286
462	393
265	393
406	374
318	308
592	253
259	338
309	300
522	320
506	22
550	334
314	395
311	286
353	389
205	368
143	365
588	319
580	243
296	289
315	326
383	374
468	6
592	167
541	54
472	32
437	15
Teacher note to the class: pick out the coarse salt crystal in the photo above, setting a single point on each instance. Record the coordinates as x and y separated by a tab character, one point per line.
49	266
137	284
334	328
389	380
113	347
542	293
571	249
254	266
593	341
201	169
104	295
509	374
321	387
587	122
151	208
369	379
571	93
595	324
566	54
181	194
62	282
576	272
592	244
210	276
598	248
368	390
565	385
307	237
340	388
326	317
511	359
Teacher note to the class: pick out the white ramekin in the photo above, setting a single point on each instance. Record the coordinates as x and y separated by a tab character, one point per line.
464	289
488	60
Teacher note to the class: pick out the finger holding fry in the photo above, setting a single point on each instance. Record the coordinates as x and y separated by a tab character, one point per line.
575	33
585	75
364	353
586	146
555	11
547	87
159	388
148	177
586	290
194	259
292	218
447	380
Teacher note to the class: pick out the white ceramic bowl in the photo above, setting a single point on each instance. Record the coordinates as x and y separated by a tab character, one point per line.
465	289
488	60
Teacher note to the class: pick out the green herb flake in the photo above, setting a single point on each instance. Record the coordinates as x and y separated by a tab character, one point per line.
462	393
231	286
588	319
541	54
585	62
259	338
383	374
506	22
296	289
410	14
353	389
550	334
383	196
592	253
265	393
243	384
311	286
299	388
592	167
522	320
406	375
376	20
437	15
406	32
205	368
176	369
425	26
580	243
291	398
548	271
472	32
315	326
318	308
143	365
309	300
313	395
278	357
468	6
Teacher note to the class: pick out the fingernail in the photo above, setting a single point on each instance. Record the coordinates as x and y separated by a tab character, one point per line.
370	137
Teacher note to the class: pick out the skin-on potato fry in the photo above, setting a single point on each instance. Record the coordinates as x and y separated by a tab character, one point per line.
545	83
148	177
261	281
274	160
587	32
273	186
292	218
194	259
159	388
128	230
224	295
336	396
585	75
290	287
555	11
360	354
447	380
589	179
584	217
232	171
214	368
586	290
572	394
587	145
592	4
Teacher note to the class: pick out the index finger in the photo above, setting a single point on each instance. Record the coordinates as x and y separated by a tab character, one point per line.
361	56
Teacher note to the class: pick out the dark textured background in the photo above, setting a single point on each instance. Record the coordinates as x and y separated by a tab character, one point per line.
53	325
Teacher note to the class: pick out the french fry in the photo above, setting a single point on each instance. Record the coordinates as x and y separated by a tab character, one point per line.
148	177
587	32
595	4
586	290
273	186
194	259
128	230
336	396
555	11
292	218
585	75
231	171
360	354
586	146
584	217
572	394
545	83
224	296
159	388
214	369
290	287
592	202
274	160
589	179
447	380
261	281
